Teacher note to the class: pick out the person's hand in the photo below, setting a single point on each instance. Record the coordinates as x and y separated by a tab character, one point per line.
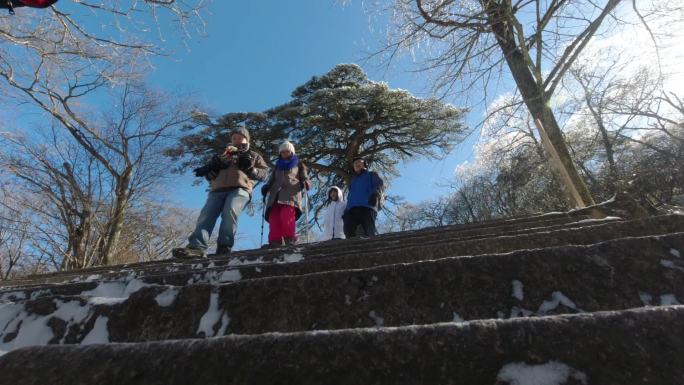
245	162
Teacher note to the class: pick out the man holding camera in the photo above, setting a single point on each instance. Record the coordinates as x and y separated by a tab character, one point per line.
232	176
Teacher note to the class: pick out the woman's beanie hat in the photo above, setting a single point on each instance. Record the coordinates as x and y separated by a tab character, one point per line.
287	146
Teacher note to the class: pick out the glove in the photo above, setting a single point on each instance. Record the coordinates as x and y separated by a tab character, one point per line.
212	175
373	200
306	185
202	171
245	162
264	190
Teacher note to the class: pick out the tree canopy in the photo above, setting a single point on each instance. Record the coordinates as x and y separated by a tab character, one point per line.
333	118
469	43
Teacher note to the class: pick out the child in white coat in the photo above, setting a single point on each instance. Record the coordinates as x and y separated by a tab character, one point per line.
333	226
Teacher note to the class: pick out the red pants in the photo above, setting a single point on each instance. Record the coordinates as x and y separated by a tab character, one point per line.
281	220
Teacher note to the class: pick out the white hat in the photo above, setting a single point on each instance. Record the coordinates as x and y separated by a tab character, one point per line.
287	146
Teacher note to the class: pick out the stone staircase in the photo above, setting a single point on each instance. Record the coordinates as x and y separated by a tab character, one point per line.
546	300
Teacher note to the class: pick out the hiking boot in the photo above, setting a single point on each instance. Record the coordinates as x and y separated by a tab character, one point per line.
187	253
223	249
290	241
275	245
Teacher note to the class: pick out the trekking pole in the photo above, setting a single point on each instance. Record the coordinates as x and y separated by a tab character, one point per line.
306	210
263	218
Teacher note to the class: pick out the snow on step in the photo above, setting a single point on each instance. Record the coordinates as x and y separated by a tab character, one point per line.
550	373
668	300
211	318
518	290
166	298
591	220
557	298
32	329
457	318
670	265
99	334
114	291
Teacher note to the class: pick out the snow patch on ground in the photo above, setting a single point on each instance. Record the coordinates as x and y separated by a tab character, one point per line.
457	318
552	213
212	317
116	289
670	265
230	276
646	298
668	300
599	220
216	277
93	277
99	334
518	290
239	262
518	312
40	293
379	321
292	258
107	301
675	253
166	297
13	296
557	298
550	373
31	329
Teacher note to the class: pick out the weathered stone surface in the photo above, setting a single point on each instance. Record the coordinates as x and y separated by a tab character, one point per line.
586	235
438	244
497	226
521	269
614	348
618	274
471	231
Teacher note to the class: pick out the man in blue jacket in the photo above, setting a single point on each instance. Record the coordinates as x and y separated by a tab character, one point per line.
363	201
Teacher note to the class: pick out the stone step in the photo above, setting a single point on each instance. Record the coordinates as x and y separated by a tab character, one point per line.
613	275
251	255
467	234
212	270
363	256
472	231
592	232
454	231
608	348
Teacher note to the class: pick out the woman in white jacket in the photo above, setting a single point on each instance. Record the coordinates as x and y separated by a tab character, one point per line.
333	226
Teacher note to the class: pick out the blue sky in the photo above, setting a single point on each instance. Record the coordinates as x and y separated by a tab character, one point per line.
254	54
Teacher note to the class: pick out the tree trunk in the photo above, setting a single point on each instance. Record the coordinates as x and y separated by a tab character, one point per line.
533	95
115	224
607	145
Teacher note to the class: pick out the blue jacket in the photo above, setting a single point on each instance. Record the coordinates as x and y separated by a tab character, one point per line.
362	186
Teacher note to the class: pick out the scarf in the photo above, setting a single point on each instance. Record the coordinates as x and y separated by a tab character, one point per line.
288	164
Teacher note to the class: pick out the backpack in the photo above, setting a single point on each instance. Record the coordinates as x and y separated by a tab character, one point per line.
11	4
